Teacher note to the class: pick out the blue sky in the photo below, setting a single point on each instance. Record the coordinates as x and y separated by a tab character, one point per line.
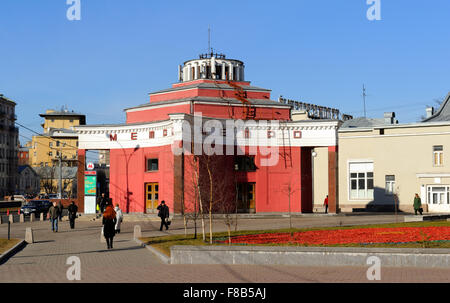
317	51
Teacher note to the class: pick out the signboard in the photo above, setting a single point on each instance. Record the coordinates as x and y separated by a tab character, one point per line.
90	185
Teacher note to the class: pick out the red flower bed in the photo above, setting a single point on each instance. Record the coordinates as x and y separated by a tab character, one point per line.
347	236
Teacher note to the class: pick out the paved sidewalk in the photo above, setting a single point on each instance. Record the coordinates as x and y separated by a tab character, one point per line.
45	260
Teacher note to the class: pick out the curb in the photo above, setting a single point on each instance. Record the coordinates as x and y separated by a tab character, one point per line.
161	256
9	253
310	256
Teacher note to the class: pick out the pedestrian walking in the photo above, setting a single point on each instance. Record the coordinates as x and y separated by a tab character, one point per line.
73	209
417	205
119	218
53	214
109	224
60	211
103	202
325	202
163	214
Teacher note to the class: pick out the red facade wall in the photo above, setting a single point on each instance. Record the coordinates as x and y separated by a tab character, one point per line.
195	92
156	114
272	182
138	177
237	112
207	110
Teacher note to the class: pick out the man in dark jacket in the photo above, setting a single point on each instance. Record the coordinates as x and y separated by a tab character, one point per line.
53	213
163	214
103	201
73	209
60	209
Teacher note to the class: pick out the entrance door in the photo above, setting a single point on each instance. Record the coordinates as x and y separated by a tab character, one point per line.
246	197
438	198
151	197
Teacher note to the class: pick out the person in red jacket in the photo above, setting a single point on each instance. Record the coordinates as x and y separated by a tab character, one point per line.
326	204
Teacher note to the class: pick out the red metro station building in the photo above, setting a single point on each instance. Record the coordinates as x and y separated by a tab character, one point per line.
266	166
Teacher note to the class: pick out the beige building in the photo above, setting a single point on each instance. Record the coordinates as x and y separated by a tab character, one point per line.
57	139
319	155
380	159
9	134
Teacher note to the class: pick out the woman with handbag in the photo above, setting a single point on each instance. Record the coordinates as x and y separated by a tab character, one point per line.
417	205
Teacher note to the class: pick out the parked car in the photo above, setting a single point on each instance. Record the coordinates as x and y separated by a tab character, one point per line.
37	207
53	196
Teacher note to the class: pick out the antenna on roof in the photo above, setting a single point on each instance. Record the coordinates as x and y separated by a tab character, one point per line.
364	100
209	40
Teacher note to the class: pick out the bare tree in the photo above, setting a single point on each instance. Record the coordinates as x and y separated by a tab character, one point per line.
48	179
193	191
289	188
217	185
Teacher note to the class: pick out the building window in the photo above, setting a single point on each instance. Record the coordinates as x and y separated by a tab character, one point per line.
390	184
50	154
438	194
50	144
247	133
244	163
438	155
361	180
152	164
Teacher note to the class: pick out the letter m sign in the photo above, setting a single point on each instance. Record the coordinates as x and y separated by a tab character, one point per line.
113	137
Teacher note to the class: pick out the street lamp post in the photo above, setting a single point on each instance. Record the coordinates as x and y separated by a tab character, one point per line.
126	172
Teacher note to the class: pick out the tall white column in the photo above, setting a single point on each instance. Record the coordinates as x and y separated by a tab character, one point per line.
213	67
196	71
190	72
231	72
185	73
224	76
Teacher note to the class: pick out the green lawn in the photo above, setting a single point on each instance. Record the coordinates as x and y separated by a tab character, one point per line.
163	244
6	244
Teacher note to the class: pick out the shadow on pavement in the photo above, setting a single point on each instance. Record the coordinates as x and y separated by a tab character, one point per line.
84	252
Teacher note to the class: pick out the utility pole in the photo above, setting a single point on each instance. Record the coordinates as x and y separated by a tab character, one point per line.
60	170
209	40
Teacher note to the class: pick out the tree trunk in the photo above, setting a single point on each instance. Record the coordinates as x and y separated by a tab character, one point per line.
210	201
200	201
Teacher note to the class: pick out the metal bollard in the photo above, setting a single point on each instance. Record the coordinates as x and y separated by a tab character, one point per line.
137	232
29	237
102	237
